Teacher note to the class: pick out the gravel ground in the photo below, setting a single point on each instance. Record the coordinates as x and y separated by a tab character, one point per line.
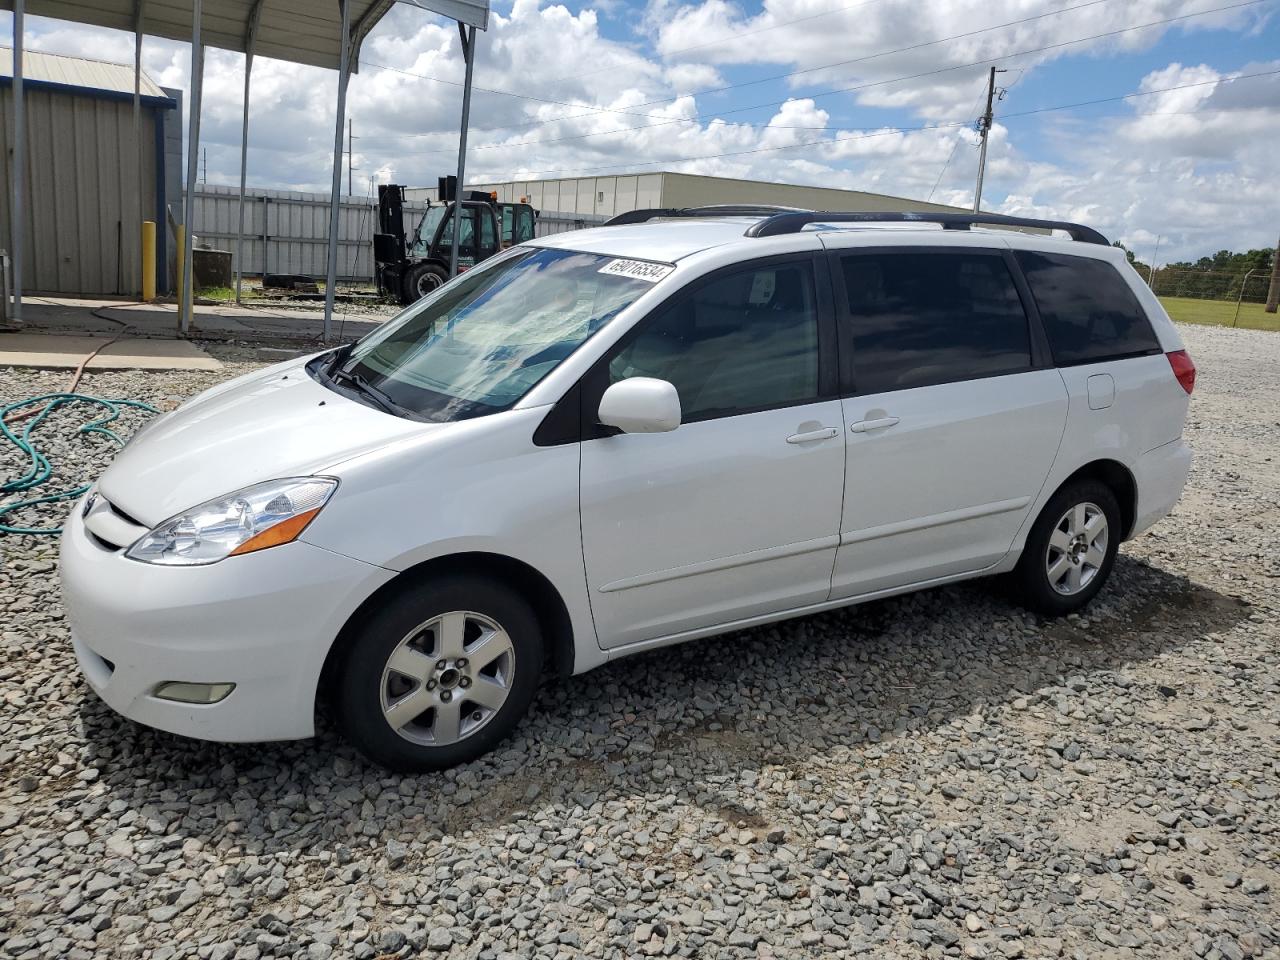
935	775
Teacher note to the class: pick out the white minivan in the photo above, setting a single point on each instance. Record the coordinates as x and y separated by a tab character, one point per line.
603	442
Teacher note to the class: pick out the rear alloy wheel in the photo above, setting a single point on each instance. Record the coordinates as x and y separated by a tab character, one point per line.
1077	548
1070	550
441	674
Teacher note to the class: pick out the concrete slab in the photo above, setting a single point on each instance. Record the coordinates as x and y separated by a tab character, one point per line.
54	351
72	315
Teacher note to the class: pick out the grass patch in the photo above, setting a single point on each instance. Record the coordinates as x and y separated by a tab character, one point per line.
228	293
1219	313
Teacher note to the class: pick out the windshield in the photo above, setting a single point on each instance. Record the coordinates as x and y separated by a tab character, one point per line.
427	230
480	343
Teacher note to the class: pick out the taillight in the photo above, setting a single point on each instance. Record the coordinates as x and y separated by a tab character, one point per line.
1183	368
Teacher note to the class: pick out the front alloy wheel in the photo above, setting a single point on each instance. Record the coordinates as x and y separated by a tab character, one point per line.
439	674
447	678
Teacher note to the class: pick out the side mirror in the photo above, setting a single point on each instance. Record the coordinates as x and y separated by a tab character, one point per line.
641	405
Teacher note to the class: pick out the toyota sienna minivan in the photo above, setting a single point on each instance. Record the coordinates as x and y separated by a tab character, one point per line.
602	442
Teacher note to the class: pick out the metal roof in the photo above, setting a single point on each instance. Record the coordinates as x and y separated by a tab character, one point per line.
475	13
97	75
300	31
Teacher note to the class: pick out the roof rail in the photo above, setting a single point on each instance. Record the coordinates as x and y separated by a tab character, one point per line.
720	210
796	221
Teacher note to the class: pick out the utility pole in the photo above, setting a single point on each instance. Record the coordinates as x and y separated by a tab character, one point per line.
984	129
1273	292
350	165
204	177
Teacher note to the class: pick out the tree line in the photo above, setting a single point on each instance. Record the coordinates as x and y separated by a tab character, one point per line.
1210	278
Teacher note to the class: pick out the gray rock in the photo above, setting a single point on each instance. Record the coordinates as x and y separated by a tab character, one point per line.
439	939
937	775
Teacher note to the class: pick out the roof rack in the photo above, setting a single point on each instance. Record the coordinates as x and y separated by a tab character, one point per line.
720	210
795	221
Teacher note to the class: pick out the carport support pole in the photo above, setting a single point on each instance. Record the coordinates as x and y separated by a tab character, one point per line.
251	41
19	162
244	159
335	197
193	155
137	139
468	35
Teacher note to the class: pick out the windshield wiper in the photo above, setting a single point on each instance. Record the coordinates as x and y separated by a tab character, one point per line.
361	385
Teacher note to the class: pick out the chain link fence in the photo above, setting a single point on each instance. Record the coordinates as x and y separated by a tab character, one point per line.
1247	287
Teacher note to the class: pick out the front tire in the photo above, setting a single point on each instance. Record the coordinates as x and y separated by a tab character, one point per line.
422	279
1070	550
440	674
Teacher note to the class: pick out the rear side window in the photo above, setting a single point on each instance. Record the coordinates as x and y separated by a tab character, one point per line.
1089	312
924	318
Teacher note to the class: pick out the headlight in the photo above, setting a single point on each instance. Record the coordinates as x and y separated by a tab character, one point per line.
257	517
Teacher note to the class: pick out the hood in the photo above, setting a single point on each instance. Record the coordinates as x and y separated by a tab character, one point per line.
271	424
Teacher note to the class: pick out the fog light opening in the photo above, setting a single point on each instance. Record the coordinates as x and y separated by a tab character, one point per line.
183	692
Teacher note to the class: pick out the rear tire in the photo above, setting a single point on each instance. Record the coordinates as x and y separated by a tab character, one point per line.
422	279
1070	550
440	674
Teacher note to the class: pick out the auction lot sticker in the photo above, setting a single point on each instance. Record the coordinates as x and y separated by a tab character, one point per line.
637	269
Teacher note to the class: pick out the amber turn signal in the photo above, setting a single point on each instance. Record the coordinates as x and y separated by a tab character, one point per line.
286	531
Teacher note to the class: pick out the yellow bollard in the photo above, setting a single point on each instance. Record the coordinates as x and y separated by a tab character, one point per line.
179	236
148	260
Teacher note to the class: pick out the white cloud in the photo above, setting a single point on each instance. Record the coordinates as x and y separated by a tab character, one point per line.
687	77
799	35
1191	165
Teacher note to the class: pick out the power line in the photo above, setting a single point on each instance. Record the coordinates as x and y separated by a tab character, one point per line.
696	46
865	136
886	53
735	86
524	143
990	60
665	121
1148	93
883	53
954	146
732	86
731	38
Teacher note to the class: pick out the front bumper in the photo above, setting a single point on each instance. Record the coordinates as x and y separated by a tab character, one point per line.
263	621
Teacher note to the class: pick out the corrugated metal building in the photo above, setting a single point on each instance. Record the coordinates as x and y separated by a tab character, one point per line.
91	179
287	231
610	196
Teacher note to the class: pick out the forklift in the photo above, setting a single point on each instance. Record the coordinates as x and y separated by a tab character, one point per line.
409	268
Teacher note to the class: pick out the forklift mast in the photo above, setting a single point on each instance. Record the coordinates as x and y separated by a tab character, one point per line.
389	241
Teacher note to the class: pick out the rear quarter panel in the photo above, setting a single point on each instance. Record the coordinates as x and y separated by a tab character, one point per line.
1149	406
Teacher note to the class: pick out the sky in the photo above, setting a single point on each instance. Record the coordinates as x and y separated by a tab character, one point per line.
1151	120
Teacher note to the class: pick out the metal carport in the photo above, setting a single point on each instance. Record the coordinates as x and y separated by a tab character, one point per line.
323	34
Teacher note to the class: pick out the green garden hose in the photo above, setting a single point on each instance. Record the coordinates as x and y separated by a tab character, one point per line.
41	469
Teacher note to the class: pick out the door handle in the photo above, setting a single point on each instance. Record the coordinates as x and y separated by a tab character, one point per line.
866	426
826	433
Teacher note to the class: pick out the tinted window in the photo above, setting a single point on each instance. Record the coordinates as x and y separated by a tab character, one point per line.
1088	310
925	318
747	341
